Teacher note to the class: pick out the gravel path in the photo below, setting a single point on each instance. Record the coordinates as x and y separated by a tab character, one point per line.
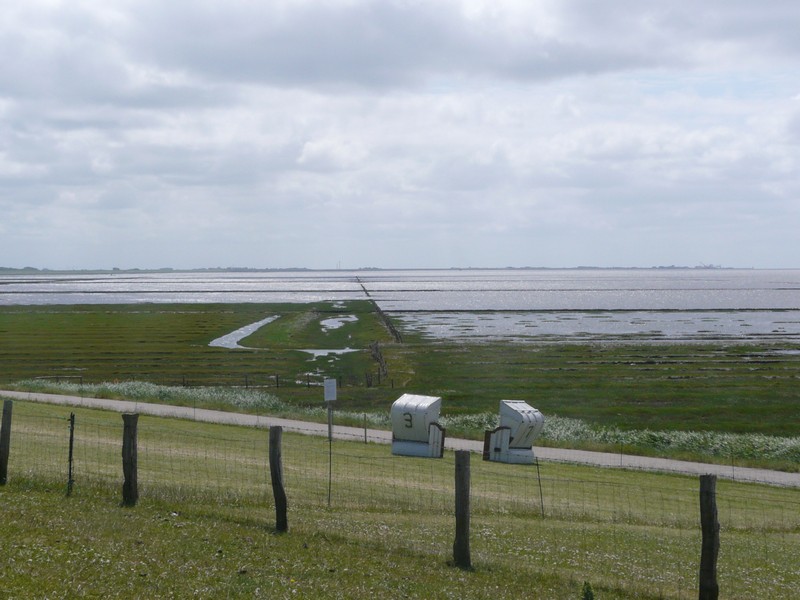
601	459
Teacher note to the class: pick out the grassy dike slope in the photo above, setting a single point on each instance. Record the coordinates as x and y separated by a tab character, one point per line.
203	526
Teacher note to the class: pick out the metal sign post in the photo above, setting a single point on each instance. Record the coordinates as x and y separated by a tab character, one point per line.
330	398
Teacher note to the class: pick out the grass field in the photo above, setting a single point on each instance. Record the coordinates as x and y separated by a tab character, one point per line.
629	387
169	343
204	523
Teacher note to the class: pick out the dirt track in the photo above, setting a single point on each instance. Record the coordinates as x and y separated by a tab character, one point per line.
602	459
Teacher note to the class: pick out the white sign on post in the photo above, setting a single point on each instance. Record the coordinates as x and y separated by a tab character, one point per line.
330	390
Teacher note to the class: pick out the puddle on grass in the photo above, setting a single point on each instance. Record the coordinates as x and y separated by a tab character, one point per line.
231	340
316	353
337	322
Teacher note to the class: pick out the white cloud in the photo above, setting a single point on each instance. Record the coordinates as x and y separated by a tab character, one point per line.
399	132
331	154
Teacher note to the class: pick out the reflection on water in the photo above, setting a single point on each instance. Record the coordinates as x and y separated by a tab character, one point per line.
668	326
337	322
316	353
231	340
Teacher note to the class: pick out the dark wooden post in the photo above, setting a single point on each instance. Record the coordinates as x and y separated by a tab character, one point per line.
709	588
70	481
5	440
276	474
130	487
461	556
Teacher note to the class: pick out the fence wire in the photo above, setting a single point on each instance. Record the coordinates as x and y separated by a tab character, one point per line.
642	537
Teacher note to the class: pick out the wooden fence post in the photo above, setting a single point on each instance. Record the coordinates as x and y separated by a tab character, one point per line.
709	588
461	556
5	440
130	487
70	481
276	474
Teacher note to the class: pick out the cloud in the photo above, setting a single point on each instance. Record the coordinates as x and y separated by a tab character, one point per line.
401	43
404	131
331	153
156	52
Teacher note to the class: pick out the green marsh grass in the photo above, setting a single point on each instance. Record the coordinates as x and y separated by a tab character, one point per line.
708	402
168	343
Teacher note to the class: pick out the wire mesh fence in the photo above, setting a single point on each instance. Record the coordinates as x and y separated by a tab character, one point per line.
640	531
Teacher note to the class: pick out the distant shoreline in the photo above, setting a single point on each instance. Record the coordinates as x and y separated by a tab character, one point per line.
137	271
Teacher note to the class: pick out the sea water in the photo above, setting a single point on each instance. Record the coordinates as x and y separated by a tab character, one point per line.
518	304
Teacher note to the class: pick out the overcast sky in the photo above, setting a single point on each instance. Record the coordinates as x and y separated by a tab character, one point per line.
419	133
